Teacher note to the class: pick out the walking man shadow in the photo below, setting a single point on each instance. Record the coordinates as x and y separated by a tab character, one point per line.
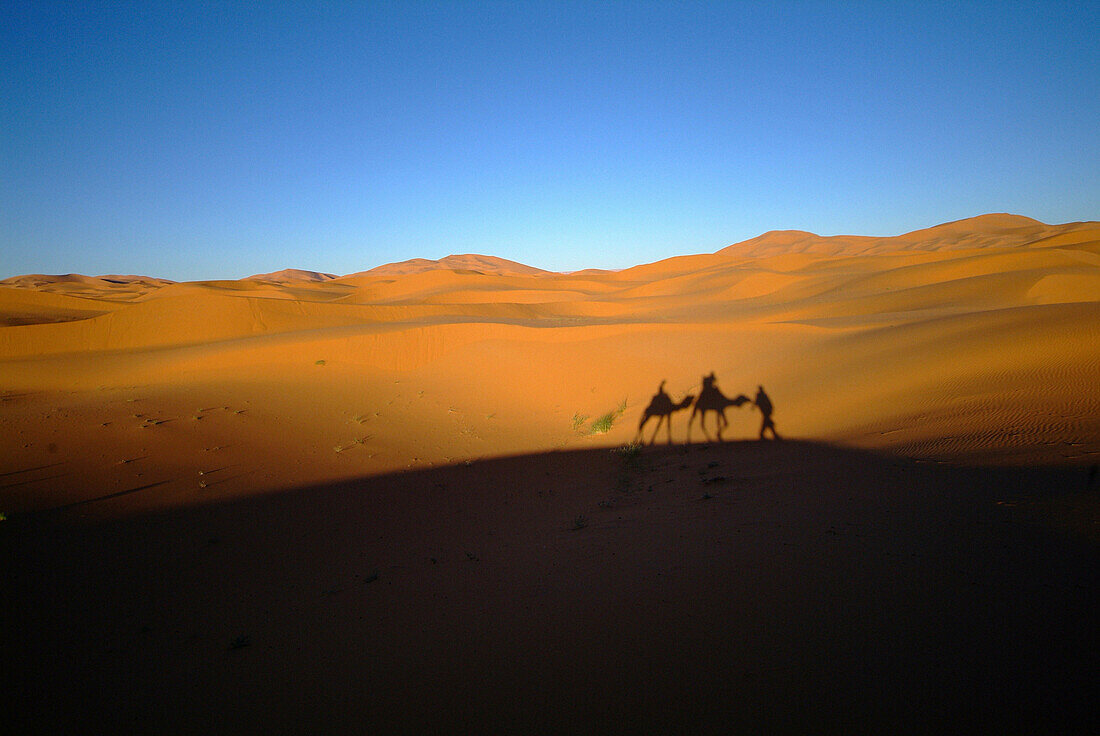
764	404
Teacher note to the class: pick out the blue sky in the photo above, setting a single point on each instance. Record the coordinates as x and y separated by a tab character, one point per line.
206	140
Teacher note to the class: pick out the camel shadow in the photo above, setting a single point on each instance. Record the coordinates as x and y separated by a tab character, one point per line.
661	406
711	399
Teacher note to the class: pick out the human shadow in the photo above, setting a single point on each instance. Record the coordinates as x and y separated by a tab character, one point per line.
711	399
661	406
764	403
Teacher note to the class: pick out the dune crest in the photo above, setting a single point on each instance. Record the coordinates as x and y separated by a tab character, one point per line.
292	274
466	262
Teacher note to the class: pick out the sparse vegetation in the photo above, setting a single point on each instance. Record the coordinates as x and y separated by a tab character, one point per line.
319	362
353	443
630	451
578	421
580	522
604	423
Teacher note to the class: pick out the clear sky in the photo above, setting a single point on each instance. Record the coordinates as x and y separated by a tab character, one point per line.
199	140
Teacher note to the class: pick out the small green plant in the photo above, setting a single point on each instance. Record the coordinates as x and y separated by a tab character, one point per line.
3	516
319	362
578	421
603	424
580	522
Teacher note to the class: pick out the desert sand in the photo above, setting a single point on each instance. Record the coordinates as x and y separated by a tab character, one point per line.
407	499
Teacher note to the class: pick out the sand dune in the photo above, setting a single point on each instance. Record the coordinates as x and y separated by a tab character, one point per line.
293	274
862	340
466	262
28	307
420	417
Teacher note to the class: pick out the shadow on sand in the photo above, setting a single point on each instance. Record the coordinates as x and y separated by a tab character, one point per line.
752	586
710	399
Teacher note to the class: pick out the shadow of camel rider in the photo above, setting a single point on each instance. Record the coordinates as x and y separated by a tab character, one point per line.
661	406
711	399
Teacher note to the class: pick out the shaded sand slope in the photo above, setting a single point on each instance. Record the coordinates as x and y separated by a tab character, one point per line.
743	587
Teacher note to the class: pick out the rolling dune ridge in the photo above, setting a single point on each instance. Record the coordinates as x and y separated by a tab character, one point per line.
424	447
984	331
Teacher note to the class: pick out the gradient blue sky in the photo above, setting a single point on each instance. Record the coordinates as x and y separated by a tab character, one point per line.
204	140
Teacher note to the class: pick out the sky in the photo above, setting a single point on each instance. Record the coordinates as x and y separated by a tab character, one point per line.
217	140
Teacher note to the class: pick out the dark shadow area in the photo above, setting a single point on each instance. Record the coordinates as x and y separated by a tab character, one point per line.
736	587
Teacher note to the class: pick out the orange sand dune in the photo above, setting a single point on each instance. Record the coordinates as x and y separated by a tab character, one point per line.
25	306
983	331
466	262
100	288
293	274
410	499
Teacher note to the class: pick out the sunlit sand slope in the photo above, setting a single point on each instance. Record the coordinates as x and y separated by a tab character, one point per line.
972	341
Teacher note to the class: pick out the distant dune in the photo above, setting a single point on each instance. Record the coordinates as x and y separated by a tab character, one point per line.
292	274
468	262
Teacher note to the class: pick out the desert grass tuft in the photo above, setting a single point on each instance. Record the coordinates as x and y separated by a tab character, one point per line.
604	423
629	451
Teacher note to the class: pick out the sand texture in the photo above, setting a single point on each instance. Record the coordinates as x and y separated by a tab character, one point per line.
302	502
